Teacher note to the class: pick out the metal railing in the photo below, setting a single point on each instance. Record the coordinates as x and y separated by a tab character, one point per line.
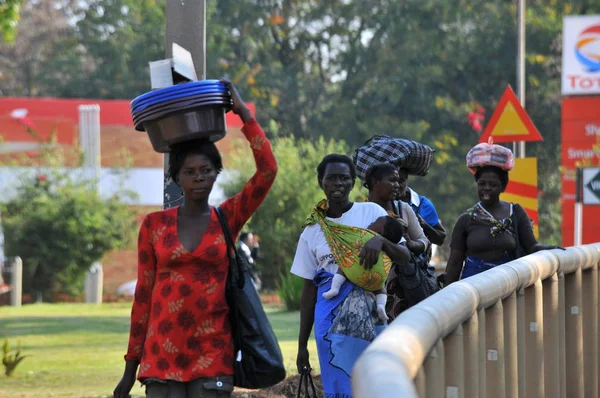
528	328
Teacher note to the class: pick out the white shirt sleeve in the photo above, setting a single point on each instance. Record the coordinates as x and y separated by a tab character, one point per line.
415	231
305	263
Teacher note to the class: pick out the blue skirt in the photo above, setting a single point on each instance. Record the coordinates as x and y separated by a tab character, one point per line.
344	326
474	265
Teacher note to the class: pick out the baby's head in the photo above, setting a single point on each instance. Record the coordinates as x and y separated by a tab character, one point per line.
389	228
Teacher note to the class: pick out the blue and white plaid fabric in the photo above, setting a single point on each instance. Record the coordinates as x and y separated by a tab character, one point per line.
410	155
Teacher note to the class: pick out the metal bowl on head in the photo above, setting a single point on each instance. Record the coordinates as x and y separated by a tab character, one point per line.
204	122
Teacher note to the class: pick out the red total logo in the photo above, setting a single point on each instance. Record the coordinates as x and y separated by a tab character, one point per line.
584	82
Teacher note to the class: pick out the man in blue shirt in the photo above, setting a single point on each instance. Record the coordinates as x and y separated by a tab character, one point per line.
425	211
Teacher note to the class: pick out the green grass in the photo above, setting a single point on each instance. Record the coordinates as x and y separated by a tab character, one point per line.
77	349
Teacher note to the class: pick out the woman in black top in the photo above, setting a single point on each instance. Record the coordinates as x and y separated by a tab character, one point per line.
492	232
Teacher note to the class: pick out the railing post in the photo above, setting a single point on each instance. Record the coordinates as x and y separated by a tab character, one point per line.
421	382
455	364
552	377
562	333
521	340
534	341
494	336
482	362
511	347
471	345
16	294
598	336
574	335
434	372
590	331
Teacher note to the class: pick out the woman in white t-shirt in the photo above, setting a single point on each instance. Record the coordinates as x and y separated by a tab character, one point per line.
347	323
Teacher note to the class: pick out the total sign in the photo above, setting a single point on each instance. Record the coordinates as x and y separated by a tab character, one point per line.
581	55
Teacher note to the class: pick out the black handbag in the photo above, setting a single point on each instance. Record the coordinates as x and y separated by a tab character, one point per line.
258	361
306	381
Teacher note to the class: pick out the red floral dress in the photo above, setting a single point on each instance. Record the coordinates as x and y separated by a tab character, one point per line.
179	321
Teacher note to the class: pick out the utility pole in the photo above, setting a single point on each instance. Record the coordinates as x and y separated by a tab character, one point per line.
520	66
186	26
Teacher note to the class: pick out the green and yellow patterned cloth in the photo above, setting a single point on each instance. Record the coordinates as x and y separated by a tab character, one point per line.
346	243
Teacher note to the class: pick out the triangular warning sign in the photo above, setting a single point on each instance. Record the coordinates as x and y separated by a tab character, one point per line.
510	122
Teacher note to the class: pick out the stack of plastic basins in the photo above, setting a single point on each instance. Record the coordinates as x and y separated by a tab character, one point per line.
184	112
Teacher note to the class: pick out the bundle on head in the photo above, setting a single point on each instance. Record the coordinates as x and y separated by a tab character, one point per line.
485	154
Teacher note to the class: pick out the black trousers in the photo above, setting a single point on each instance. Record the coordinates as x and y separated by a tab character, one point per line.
210	387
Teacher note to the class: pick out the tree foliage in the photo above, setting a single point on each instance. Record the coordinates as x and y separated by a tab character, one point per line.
9	17
43	25
60	224
108	52
339	69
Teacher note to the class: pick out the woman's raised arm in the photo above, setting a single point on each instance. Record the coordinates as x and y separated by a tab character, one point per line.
239	208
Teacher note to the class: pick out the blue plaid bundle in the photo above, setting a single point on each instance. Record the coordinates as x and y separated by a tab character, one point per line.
412	156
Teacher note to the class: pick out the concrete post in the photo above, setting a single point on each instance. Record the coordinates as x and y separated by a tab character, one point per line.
471	347
482	358
574	335
511	348
16	294
534	341
521	339
562	339
94	281
434	372
420	383
494	342
590	331
455	364
598	328
552	376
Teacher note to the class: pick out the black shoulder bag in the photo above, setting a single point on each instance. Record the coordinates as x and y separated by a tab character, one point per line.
258	362
421	283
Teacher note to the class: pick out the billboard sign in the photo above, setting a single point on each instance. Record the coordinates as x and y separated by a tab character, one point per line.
581	55
580	133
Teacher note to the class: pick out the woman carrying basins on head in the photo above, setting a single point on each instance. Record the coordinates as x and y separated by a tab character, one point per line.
180	336
493	231
336	235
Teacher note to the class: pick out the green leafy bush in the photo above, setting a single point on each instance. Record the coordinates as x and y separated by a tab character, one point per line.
289	288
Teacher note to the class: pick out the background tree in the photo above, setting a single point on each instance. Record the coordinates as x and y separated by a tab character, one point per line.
409	69
9	17
108	52
42	23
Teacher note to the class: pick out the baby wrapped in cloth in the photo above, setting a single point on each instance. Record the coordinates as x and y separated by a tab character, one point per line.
346	244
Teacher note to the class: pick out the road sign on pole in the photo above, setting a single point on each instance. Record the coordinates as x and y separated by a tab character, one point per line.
591	186
510	122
